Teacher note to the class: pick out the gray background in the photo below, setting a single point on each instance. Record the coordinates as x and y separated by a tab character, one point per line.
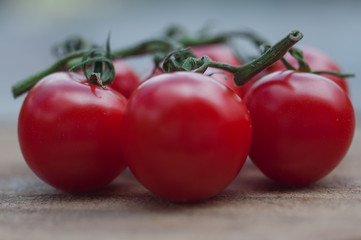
28	29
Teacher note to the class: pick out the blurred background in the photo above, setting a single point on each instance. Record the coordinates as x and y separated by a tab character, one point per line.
29	29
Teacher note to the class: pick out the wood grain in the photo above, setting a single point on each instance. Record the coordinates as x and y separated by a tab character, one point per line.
251	208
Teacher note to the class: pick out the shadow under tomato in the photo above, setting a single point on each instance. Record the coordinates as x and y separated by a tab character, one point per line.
126	195
251	179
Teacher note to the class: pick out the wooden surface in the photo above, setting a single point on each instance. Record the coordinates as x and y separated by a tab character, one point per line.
251	208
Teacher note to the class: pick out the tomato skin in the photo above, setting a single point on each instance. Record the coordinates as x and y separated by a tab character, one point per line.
303	125
318	61
125	80
69	132
185	136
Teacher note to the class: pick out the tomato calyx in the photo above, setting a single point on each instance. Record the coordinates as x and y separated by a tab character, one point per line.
97	66
304	67
176	59
182	60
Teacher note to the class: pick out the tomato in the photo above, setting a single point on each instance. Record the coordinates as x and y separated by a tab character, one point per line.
126	80
303	125
318	61
224	54
185	136
217	52
69	132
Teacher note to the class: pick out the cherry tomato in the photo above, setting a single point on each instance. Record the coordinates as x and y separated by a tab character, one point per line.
69	132
126	80
224	54
303	125
217	52
185	136
318	61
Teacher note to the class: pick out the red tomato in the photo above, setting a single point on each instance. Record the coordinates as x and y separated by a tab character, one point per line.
125	81
185	136
69	132
303	125
224	54
318	61
217	52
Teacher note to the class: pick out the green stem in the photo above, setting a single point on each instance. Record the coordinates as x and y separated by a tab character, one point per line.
270	56
222	38
245	72
185	39
76	58
302	64
338	74
25	85
151	46
304	67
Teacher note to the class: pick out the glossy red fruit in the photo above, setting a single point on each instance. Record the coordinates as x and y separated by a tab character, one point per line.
303	125
185	136
69	132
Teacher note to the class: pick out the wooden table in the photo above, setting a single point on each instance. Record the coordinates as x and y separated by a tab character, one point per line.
251	208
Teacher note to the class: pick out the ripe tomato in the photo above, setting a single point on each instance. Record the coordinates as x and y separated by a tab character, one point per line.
318	61
217	52
303	125
185	136
69	132
224	54
126	80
